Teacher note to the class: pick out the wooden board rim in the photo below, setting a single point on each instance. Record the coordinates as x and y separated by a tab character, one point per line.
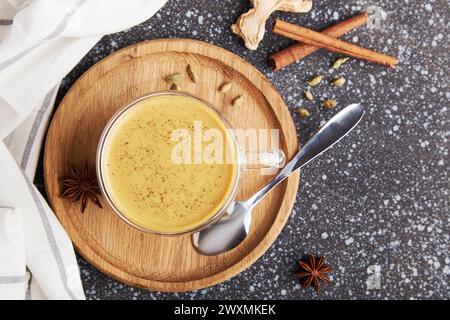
291	183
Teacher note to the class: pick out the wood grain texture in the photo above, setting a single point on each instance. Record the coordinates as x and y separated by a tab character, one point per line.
156	262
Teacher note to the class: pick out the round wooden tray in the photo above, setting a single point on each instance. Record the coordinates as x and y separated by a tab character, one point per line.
151	261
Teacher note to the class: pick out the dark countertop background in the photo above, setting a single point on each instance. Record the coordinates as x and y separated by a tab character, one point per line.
381	197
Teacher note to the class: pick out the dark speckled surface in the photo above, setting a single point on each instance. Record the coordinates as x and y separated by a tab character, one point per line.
381	198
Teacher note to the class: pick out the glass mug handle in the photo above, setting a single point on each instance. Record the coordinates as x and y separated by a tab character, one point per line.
269	162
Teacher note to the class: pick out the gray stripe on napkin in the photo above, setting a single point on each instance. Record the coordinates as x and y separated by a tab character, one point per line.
58	30
36	125
5	22
51	238
11	279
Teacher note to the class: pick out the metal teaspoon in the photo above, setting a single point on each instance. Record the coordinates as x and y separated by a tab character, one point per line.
234	226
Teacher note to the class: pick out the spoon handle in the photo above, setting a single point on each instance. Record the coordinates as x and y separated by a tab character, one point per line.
333	131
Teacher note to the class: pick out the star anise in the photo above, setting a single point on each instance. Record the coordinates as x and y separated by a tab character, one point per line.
313	271
82	185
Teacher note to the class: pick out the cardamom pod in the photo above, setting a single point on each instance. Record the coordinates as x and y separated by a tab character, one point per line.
338	82
173	78
329	104
191	73
314	81
339	62
237	101
302	112
308	95
225	87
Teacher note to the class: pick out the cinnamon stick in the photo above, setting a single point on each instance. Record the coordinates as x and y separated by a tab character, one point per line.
324	41
300	50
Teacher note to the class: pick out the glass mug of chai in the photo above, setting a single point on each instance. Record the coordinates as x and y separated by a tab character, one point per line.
157	175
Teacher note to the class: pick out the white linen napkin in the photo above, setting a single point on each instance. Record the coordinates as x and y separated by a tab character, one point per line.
40	42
